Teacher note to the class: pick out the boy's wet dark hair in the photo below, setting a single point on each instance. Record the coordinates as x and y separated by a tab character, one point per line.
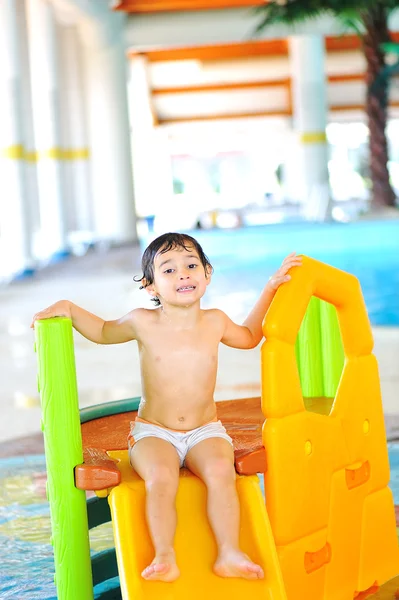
162	244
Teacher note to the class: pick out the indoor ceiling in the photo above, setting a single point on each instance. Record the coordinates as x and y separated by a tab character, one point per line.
250	79
199	69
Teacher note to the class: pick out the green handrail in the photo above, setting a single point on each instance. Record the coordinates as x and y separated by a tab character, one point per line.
63	448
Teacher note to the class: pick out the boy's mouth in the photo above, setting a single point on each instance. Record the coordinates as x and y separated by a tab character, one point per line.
186	288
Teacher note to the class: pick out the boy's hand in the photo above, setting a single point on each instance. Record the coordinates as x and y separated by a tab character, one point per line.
281	276
59	309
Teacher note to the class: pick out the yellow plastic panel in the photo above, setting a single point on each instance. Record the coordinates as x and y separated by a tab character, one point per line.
300	584
194	543
341	289
285	314
344	535
344	291
281	393
327	473
358	404
379	552
303	451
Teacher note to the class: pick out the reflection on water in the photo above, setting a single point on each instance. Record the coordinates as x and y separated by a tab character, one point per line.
26	556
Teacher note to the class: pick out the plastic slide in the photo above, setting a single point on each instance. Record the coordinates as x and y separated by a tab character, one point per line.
195	545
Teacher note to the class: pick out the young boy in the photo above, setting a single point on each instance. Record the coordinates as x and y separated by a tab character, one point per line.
177	424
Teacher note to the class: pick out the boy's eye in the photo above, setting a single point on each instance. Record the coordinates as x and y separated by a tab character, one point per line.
193	266
168	271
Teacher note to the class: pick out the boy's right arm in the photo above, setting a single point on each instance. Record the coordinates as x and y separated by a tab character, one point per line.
90	326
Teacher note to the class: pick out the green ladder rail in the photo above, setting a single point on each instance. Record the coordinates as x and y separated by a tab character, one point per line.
63	448
76	572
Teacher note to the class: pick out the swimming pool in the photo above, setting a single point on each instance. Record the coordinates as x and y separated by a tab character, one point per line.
244	258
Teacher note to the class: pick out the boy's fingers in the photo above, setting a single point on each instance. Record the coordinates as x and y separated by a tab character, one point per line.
280	279
292	263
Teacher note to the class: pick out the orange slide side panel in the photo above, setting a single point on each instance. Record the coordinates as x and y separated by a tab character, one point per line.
326	483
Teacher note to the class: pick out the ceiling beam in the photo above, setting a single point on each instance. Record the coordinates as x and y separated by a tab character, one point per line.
222	52
217	52
222	87
271	113
238	115
344	107
343	78
153	6
247	85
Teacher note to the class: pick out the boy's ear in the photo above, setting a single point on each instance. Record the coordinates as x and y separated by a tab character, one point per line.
208	275
150	289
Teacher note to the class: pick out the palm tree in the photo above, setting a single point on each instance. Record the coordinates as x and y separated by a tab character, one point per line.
369	19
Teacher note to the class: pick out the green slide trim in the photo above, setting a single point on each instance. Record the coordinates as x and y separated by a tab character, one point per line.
104	566
112	593
319	350
98	511
63	447
106	409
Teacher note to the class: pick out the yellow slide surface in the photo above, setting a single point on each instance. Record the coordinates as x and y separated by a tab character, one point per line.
195	545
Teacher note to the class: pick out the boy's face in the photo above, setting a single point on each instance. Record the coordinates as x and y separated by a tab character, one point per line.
179	277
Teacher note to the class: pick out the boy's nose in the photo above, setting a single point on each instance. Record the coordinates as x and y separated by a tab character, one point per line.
184	276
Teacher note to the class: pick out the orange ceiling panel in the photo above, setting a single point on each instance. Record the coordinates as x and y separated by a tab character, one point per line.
212	52
279	47
151	6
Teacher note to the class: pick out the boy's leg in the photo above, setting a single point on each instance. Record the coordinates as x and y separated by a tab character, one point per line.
157	462
213	461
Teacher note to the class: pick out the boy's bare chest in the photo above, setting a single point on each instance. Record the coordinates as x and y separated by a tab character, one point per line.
181	348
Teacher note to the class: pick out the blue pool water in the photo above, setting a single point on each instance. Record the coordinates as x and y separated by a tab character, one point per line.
243	259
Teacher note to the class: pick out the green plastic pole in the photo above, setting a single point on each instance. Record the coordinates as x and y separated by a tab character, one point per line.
319	350
63	448
332	349
309	350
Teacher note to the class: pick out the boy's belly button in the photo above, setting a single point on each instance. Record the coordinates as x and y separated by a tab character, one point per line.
181	419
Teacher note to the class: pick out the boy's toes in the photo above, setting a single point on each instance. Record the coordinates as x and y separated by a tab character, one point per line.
237	564
161	572
152	571
255	570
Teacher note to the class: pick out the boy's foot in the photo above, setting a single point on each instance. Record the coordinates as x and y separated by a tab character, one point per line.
237	564
162	568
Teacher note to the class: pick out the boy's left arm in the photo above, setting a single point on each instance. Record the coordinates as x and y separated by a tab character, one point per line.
249	334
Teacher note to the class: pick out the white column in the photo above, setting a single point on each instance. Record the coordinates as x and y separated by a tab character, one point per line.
15	216
30	154
152	165
109	134
74	134
45	94
306	169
